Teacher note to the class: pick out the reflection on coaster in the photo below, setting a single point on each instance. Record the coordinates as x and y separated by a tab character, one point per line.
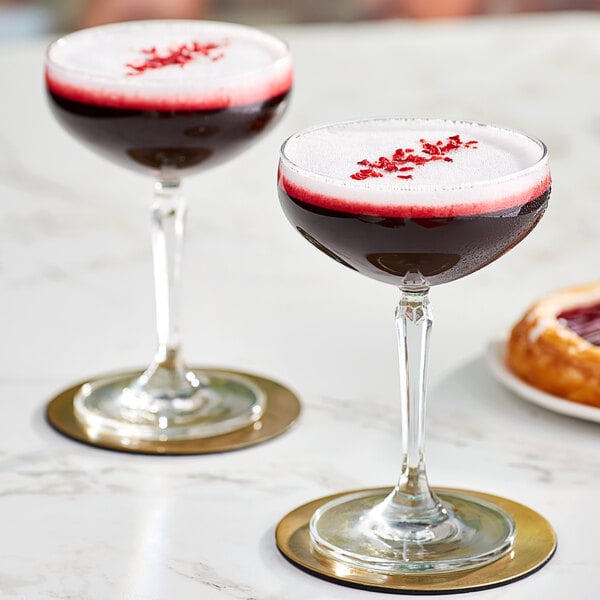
535	543
282	410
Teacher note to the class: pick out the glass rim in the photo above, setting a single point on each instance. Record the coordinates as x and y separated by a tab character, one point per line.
405	187
157	84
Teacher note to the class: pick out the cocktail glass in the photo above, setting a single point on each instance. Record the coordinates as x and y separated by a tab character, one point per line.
413	203
168	98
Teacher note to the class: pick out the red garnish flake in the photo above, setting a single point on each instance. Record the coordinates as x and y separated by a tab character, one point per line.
176	55
365	174
405	159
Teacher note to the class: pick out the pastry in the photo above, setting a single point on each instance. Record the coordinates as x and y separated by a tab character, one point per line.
556	345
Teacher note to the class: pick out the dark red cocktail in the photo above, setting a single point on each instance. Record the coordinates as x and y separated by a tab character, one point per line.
393	226
441	249
413	203
168	98
166	139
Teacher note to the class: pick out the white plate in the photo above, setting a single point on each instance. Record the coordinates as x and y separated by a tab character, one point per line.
495	358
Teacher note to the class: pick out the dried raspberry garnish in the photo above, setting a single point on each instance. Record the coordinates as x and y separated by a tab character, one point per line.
405	159
177	55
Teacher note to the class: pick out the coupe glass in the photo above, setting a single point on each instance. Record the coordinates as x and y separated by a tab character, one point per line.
413	203
168	98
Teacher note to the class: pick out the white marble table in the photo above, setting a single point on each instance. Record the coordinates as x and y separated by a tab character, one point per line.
76	299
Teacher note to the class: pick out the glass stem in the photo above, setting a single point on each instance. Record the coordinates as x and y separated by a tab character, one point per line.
412	502
168	214
167	378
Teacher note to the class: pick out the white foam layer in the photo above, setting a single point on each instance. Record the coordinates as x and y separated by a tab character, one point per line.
503	169
92	64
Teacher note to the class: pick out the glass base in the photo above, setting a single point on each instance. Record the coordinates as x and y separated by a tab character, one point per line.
472	533
118	407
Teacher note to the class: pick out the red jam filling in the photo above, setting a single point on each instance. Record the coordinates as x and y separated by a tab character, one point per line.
405	160
584	321
177	55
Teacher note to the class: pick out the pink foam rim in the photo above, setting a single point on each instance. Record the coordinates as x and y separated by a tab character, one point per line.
256	83
214	101
413	211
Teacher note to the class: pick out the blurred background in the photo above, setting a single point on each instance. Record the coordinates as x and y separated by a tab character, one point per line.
24	18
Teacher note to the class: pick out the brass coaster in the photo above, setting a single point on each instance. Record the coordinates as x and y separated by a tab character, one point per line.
282	410
535	544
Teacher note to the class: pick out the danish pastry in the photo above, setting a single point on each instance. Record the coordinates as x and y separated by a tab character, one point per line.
556	345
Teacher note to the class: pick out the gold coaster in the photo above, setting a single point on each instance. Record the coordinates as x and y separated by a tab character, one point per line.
534	546
282	410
